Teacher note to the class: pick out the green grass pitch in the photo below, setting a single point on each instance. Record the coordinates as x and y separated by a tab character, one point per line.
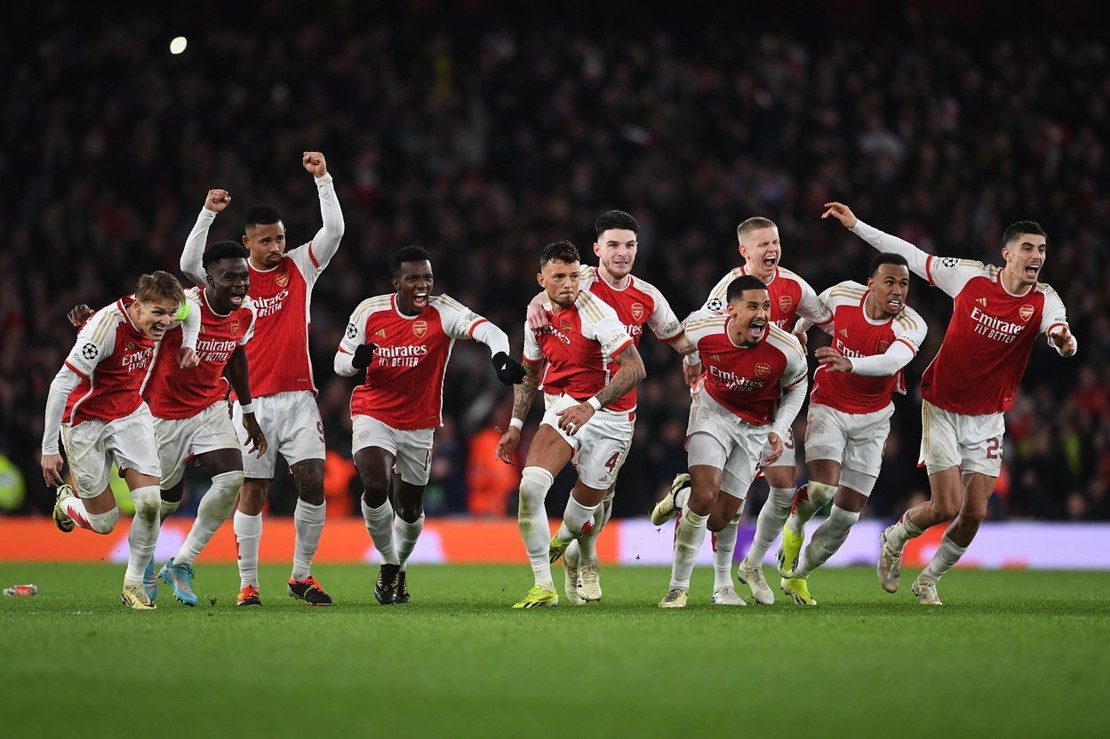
1012	653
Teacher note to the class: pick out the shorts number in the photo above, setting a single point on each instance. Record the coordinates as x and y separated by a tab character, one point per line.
788	442
611	463
994	448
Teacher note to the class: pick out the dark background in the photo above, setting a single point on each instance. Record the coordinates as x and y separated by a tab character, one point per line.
483	130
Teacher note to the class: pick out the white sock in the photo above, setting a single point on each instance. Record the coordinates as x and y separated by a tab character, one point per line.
724	546
532	521
248	534
575	518
687	544
215	506
946	556
809	499
826	540
769	524
308	520
143	536
585	546
379	524
902	532
167	508
406	534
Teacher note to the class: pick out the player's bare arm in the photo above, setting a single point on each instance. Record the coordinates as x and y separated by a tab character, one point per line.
315	163
629	375
842	213
523	395
236	372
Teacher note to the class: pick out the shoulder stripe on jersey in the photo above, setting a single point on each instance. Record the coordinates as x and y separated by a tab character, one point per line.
1045	289
378	302
706	322
787	339
107	324
906	320
848	290
450	302
590	308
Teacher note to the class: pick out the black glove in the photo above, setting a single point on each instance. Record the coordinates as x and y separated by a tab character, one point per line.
509	371
363	355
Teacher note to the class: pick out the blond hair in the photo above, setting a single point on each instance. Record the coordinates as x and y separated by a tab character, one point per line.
157	286
753	224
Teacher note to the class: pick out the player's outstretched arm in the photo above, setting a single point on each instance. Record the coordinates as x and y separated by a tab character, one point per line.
880	240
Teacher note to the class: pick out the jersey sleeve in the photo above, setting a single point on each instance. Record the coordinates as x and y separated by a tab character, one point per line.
812	308
600	322
193	253
354	335
249	333
716	300
458	321
663	321
587	275
910	328
1054	315
951	274
797	369
533	354
313	257
95	342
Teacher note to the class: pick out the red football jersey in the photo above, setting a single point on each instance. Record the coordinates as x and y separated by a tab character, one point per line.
638	304
582	338
989	337
791	296
112	357
404	382
747	380
855	335
175	393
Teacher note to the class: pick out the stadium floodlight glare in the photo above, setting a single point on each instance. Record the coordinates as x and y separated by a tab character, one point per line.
178	44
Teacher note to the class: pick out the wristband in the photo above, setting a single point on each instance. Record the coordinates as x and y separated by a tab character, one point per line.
594	403
516	423
246	407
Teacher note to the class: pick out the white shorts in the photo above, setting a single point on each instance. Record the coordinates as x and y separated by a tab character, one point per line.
855	440
972	443
293	429
180	438
717	437
92	446
787	458
411	450
600	447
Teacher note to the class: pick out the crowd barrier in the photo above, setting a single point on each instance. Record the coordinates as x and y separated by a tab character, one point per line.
1034	545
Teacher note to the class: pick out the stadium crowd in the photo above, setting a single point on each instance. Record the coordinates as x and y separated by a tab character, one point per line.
482	136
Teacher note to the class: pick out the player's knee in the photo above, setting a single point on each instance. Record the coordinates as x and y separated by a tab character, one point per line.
534	484
103	523
974	513
148	502
945	510
409	512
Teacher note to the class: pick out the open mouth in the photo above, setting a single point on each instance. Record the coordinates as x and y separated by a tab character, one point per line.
769	262
756	331
237	298
894	305
420	300
1032	270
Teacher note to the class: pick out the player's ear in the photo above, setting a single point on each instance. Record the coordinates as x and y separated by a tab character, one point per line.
597	249
540	280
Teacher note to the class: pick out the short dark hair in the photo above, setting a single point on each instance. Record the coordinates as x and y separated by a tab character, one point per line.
223	250
737	287
559	251
411	253
887	257
260	215
616	219
1014	230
